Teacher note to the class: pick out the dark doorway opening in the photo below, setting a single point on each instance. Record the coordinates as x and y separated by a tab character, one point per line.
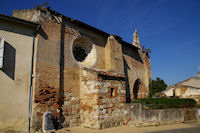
138	89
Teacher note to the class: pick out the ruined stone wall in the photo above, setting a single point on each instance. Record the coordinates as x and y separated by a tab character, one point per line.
47	80
27	14
135	68
90	92
74	32
72	86
89	96
72	66
147	64
113	56
49	91
111	103
47	74
102	97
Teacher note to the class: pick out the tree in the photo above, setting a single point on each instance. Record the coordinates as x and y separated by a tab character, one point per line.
157	85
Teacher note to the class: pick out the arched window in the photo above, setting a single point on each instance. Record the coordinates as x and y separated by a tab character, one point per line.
84	51
139	89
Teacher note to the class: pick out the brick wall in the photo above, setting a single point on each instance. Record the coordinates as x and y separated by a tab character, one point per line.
47	75
91	96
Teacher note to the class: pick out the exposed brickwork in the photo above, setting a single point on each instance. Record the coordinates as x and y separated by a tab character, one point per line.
89	94
47	96
71	110
47	75
148	64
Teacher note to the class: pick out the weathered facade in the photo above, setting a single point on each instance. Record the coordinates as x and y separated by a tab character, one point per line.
15	74
82	75
137	115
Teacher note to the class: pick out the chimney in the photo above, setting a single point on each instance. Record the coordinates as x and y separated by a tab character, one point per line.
198	74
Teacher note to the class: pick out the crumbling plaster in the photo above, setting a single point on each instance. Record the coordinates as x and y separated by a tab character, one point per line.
78	93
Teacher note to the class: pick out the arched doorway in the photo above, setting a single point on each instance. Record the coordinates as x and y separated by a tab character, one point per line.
138	89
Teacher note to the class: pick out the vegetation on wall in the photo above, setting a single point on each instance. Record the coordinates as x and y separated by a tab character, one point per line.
198	106
146	50
44	5
156	86
166	103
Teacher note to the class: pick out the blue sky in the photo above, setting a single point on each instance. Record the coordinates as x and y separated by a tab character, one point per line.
170	28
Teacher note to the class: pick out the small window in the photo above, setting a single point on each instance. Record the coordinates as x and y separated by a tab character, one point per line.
112	92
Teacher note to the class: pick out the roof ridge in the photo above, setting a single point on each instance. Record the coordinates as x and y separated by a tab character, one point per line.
12	18
179	83
83	24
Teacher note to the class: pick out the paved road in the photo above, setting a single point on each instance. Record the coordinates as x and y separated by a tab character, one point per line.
174	128
181	130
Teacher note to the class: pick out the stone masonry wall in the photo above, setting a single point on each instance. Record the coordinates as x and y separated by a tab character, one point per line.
78	95
111	99
100	108
89	96
71	110
191	114
135	115
46	78
113	56
148	64
135	69
72	86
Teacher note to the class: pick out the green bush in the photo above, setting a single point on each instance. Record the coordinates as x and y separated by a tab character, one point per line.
166	103
198	106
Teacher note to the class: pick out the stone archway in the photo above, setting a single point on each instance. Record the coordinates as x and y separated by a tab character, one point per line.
138	89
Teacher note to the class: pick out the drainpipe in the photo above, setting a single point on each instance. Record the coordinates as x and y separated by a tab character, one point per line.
31	80
62	60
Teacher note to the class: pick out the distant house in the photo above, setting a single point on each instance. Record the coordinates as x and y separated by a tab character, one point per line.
189	88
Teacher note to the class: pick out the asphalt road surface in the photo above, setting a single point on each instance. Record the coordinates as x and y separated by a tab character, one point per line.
181	130
192	127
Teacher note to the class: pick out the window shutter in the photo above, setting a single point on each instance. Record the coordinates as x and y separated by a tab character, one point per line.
1	51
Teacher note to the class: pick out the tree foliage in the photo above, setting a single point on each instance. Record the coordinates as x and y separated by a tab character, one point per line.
157	85
166	103
45	4
146	50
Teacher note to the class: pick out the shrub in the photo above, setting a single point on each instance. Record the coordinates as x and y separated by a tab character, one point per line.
198	106
166	103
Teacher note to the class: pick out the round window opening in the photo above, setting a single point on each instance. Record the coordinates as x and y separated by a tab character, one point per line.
84	51
79	54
